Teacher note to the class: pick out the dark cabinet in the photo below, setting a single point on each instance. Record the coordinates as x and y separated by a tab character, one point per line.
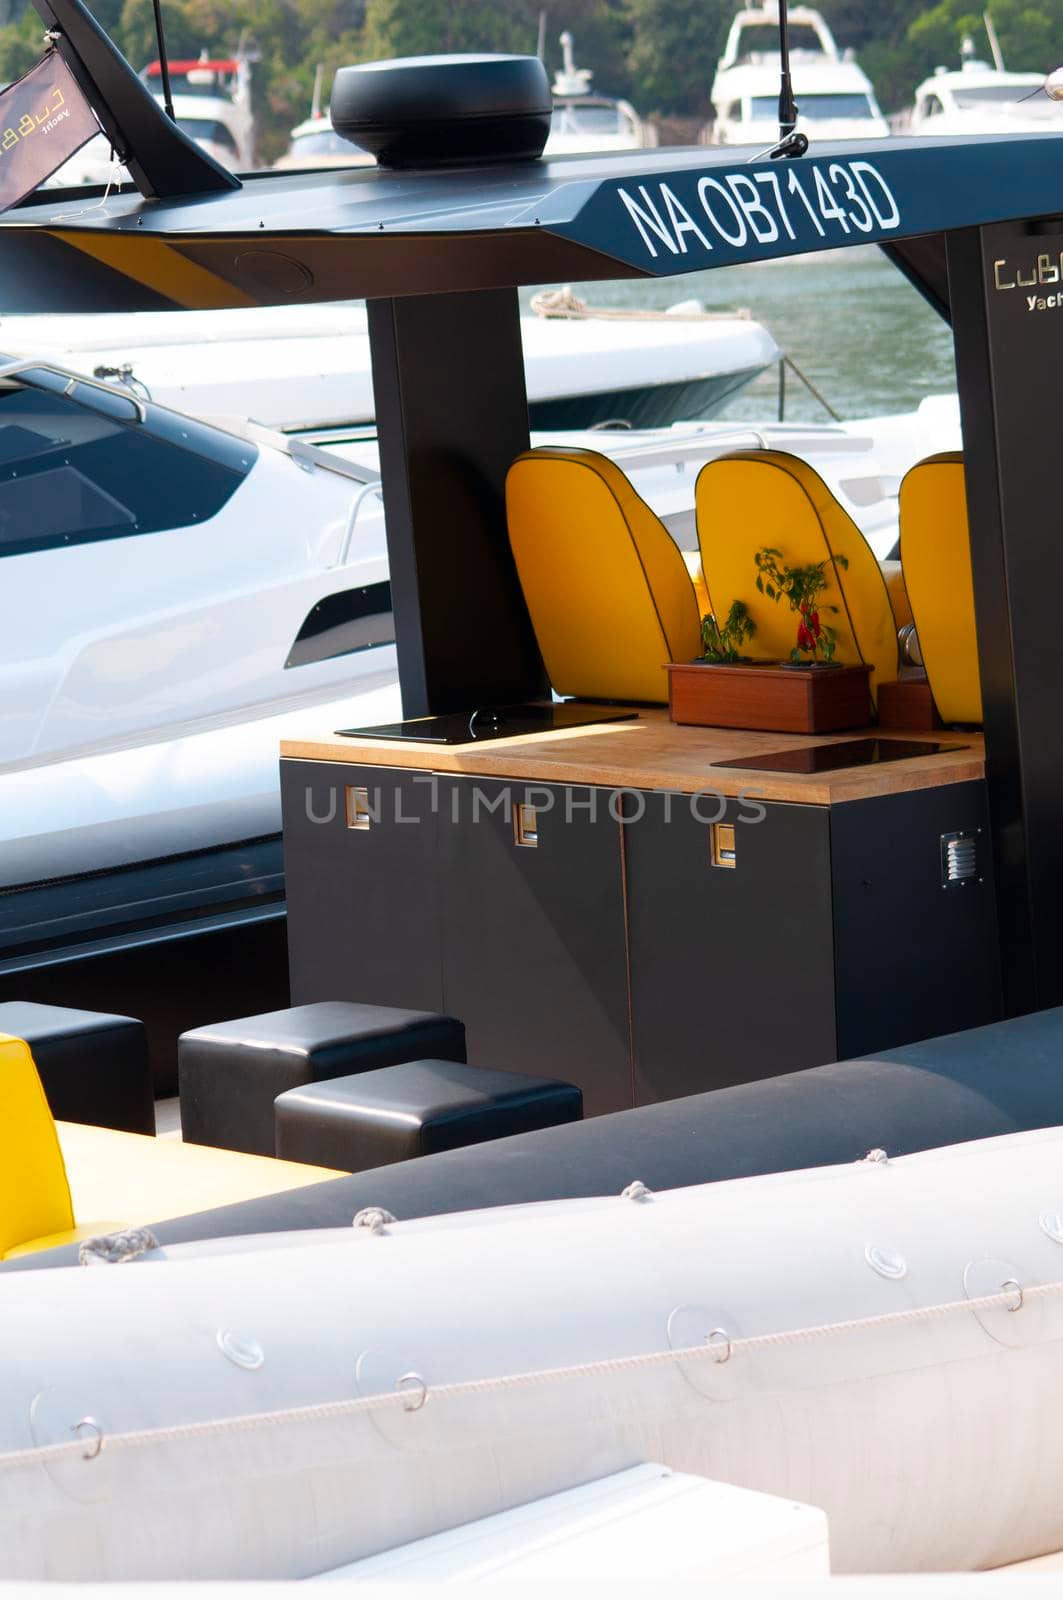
362	885
643	945
731	943
915	954
532	920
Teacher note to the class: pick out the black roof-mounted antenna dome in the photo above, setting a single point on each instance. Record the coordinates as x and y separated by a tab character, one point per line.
163	161
445	111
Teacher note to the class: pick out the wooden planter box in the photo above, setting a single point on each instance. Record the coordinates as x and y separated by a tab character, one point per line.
769	698
908	703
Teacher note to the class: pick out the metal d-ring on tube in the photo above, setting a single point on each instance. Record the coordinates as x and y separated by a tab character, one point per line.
1014	1284
413	1377
724	1348
96	1444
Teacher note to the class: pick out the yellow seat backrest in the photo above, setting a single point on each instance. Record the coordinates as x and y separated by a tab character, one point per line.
893	577
607	588
764	497
936	560
34	1193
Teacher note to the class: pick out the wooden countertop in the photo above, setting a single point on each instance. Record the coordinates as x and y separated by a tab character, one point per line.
654	753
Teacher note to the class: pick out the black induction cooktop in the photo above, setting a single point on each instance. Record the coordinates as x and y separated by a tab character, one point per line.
491	722
842	753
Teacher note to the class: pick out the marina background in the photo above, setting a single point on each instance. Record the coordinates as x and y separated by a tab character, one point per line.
661	54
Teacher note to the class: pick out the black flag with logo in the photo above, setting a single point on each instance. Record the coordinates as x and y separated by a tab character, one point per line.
44	120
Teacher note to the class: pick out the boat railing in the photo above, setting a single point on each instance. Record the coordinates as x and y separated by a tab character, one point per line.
694	447
14	369
368	489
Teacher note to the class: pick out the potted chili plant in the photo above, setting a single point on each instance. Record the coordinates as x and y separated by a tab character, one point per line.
802	587
794	696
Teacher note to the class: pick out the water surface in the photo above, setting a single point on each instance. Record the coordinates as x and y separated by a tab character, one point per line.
864	336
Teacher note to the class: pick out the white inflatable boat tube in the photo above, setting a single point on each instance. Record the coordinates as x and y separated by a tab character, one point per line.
883	1341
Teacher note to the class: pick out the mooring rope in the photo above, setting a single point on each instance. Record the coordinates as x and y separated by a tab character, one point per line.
330	1410
563	303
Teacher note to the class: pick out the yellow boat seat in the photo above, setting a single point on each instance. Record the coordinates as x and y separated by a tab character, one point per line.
607	587
936	558
755	498
52	1173
692	562
34	1193
893	574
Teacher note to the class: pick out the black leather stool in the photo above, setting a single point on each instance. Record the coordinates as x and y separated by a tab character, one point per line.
375	1118
231	1072
94	1067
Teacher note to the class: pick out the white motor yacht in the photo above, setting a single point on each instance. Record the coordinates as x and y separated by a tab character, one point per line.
211	104
587	123
835	99
981	98
315	143
307	367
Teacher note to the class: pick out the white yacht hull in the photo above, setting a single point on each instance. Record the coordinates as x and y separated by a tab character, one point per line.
309	367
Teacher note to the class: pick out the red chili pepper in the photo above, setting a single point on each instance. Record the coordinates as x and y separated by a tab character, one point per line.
804	606
813	623
805	638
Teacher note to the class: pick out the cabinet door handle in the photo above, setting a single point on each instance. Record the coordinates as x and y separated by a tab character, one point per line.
723	845
359	814
525	826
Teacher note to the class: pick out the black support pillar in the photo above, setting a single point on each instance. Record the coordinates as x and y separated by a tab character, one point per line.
1006	290
452	412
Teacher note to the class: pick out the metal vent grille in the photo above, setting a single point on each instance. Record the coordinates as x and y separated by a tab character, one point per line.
959	860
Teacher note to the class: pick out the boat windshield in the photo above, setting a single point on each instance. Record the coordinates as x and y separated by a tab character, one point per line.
73	470
588	116
1030	96
758	42
321	142
208	130
813	107
202	82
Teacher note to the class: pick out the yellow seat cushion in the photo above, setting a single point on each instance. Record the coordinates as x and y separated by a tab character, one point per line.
34	1193
142	1180
893	575
936	557
53	1241
692	561
765	497
607	589
123	1180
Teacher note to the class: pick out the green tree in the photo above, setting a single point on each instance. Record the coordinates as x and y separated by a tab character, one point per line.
1031	35
21	44
674	50
430	27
